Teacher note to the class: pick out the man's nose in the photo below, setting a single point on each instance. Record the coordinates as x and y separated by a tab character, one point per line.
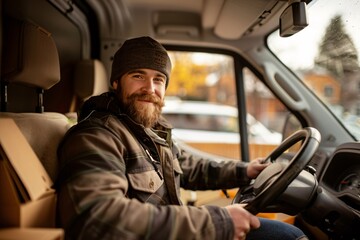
149	86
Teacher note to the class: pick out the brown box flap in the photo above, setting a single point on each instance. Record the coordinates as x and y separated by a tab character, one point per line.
32	233
24	166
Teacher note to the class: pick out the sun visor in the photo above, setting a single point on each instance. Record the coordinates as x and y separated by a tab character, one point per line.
237	17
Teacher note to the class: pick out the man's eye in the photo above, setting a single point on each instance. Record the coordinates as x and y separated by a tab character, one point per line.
160	80
137	76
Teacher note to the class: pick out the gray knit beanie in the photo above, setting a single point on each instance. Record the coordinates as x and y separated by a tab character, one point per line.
141	52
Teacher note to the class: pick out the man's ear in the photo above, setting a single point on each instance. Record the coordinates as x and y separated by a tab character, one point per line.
115	84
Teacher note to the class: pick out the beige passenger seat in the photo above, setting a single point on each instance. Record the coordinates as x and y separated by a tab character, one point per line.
31	59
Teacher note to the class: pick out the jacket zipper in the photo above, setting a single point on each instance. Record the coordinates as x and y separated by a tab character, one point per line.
153	162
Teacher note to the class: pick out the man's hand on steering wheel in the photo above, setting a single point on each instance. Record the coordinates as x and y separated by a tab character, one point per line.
255	167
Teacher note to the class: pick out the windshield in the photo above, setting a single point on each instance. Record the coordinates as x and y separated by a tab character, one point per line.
325	56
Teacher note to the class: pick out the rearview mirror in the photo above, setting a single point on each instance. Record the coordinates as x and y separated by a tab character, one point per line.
293	19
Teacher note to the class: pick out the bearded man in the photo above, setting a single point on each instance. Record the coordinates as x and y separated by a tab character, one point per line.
121	172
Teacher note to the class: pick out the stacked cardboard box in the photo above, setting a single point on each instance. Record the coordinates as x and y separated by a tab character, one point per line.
27	199
31	234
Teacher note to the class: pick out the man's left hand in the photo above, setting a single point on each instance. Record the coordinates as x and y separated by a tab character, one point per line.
255	167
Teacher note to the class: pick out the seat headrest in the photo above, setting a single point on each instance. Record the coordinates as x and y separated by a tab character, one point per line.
30	55
90	78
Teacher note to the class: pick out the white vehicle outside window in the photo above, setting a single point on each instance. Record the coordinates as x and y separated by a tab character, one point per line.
197	121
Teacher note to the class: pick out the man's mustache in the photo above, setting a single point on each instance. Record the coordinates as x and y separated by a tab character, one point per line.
145	97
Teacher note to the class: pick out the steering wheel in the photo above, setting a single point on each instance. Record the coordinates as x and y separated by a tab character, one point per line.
275	178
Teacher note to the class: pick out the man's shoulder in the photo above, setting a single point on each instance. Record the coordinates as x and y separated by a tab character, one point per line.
105	103
164	123
102	119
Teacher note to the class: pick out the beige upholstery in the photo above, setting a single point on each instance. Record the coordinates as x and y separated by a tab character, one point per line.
31	56
90	79
35	63
43	131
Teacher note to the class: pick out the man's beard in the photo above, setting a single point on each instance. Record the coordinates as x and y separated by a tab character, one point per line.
145	114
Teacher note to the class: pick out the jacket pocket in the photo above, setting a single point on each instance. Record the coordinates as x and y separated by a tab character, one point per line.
148	181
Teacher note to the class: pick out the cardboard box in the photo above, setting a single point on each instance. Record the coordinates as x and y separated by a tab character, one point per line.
26	196
31	234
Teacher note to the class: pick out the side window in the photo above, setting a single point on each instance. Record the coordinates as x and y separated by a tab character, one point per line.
266	116
201	103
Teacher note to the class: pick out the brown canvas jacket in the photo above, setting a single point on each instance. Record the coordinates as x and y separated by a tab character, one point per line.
119	180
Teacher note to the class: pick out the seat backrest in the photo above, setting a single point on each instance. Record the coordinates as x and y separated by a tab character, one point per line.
32	59
90	79
43	131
